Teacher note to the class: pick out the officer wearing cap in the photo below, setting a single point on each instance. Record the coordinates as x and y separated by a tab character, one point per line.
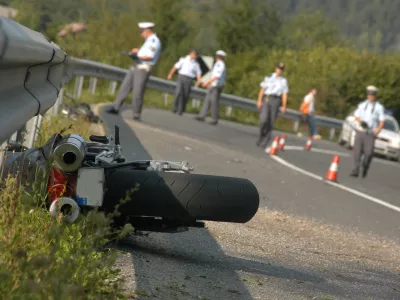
214	86
271	97
188	70
136	78
370	116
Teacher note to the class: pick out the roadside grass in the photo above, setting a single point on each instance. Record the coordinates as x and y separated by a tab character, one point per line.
158	100
46	258
62	125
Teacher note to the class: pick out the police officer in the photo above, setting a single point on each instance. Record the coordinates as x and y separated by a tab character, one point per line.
214	86
271	97
137	76
370	116
189	69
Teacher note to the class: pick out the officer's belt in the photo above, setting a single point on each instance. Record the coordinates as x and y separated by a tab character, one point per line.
187	76
267	97
145	67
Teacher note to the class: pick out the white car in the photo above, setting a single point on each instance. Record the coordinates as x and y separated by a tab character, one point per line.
387	142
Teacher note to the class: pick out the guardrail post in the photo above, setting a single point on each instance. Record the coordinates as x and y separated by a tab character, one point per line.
56	107
14	136
113	87
78	87
331	133
296	126
165	99
34	129
196	103
228	111
2	155
92	85
31	128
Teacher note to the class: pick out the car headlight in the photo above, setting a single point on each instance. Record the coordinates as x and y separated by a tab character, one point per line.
395	143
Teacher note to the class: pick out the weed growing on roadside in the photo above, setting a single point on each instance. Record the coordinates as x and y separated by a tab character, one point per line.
47	258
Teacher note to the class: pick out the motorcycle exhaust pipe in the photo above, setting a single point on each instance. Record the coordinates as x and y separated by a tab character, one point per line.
65	206
69	153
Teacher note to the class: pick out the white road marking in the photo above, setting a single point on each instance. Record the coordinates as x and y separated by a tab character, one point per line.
300	148
345	188
289	165
329	152
344	154
294	148
368	197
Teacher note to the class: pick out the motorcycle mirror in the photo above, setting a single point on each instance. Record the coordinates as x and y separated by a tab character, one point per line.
116	134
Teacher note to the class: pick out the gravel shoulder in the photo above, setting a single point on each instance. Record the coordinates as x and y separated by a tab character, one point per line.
274	256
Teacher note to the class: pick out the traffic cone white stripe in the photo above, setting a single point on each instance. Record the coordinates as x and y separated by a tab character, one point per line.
334	167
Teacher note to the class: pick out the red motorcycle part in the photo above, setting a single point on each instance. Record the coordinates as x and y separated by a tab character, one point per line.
60	185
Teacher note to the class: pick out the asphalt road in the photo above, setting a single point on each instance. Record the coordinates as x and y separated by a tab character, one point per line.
274	256
282	188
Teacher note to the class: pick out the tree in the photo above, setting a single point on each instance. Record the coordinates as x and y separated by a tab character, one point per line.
242	25
308	30
171	26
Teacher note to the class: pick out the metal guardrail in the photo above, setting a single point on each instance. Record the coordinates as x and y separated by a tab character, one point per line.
83	67
31	73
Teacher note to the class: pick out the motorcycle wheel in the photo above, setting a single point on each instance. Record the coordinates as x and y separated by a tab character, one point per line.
184	197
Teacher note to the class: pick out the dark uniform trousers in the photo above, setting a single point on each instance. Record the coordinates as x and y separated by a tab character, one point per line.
364	144
135	80
212	100
182	92
268	114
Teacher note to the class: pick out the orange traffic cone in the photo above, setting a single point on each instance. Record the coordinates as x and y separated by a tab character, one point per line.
332	173
308	144
274	146
282	142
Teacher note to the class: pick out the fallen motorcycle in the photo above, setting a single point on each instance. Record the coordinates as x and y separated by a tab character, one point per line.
94	174
74	110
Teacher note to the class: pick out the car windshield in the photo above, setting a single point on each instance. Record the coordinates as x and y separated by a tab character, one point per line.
390	125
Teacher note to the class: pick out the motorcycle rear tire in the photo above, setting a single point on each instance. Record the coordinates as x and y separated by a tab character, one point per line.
183	197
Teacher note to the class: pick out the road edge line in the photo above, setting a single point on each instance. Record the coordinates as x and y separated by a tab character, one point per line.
345	188
96	110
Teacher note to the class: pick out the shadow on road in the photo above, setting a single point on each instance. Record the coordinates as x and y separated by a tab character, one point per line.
161	262
190	265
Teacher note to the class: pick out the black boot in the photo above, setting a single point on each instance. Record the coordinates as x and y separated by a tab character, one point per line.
354	173
198	118
364	172
112	110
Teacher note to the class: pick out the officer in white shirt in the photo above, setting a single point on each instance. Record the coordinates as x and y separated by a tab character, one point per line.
370	115
139	73
214	86
271	97
188	70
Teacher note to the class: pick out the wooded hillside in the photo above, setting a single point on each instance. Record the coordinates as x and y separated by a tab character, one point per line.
255	34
